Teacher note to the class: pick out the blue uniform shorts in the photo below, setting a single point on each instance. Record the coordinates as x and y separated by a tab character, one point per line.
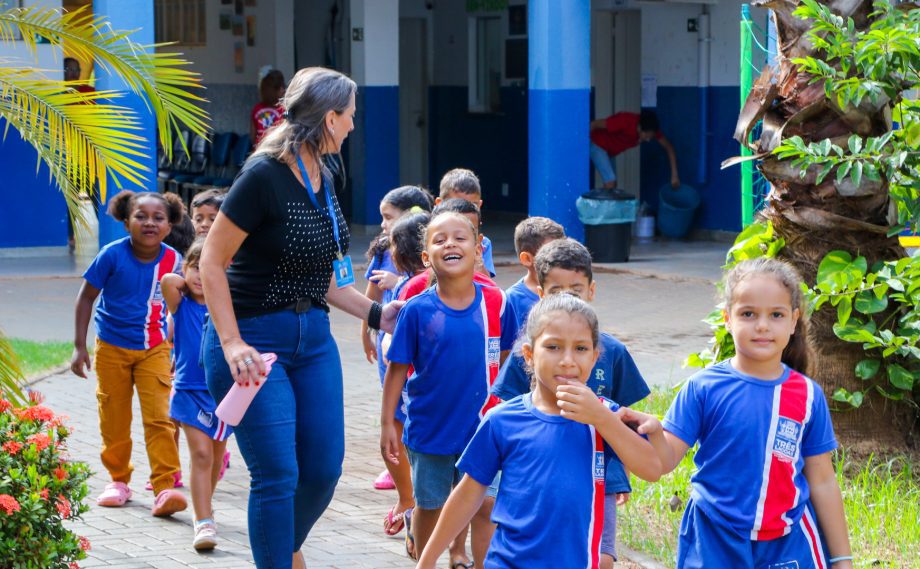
704	542
195	407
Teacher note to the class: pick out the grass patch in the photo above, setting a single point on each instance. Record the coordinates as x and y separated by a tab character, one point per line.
36	357
881	497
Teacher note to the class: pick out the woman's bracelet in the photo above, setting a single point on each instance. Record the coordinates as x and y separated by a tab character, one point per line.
841	558
373	317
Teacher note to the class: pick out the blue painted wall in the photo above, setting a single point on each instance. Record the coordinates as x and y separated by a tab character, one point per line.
492	145
34	213
678	111
495	147
373	151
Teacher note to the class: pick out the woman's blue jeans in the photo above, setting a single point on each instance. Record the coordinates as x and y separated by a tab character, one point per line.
293	435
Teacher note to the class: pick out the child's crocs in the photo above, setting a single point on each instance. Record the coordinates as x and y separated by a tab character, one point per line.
168	502
115	495
224	465
384	481
177	477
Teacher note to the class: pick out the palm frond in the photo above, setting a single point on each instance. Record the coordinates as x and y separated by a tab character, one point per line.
79	141
11	376
163	78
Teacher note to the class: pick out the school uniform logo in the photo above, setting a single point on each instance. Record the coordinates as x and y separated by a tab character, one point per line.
786	439
599	465
205	418
494	350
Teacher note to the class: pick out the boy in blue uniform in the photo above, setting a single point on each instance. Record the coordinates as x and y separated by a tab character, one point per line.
464	184
564	266
529	236
455	335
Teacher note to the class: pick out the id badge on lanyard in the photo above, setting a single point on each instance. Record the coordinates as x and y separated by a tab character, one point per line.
342	269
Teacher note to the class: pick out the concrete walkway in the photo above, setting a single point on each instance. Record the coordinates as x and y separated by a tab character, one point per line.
653	304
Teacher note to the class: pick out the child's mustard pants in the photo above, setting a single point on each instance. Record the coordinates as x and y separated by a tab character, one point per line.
119	371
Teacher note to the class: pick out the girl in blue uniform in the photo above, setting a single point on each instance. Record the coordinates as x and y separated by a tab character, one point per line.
191	405
764	494
551	445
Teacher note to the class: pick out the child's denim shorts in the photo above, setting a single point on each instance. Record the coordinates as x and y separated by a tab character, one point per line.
433	477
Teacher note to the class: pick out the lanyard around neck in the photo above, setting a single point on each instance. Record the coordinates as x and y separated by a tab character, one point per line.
328	191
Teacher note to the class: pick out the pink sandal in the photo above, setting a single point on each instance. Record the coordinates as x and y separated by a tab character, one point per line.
394	522
384	481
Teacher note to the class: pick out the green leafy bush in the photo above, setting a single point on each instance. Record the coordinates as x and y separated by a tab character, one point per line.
39	490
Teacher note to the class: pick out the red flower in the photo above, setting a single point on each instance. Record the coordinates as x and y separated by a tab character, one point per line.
35	413
84	544
44	493
63	506
40	440
35	397
9	504
73	565
60	473
5	405
12	447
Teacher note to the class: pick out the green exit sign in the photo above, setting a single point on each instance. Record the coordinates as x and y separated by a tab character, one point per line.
486	5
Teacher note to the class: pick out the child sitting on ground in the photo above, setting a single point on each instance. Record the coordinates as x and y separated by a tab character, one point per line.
564	267
455	336
191	404
551	446
529	236
464	184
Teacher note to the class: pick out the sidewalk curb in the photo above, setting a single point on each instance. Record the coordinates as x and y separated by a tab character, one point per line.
639	558
30	381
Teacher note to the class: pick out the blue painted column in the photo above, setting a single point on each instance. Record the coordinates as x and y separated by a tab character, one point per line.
558	108
128	15
374	144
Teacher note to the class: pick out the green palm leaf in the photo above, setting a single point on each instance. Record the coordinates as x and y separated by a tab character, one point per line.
162	78
11	376
79	142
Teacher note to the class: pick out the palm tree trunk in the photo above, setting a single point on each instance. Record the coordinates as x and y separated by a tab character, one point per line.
815	219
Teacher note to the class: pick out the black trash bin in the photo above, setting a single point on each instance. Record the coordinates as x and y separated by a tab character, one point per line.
608	216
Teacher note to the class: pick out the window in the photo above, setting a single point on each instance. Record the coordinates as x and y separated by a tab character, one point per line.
485	64
180	21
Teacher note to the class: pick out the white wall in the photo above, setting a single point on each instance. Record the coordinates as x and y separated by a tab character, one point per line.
215	61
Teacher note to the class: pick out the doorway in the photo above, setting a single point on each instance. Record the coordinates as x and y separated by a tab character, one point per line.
616	48
413	101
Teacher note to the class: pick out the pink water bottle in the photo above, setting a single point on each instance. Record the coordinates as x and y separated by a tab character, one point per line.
237	400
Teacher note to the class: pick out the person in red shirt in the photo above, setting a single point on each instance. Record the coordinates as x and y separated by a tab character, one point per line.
620	132
268	110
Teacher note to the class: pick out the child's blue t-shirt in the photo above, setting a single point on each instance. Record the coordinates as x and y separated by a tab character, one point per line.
754	437
551	469
131	313
383	262
487	261
450	385
522	299
615	376
188	322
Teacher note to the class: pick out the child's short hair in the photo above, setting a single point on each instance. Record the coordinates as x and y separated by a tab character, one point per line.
648	121
193	254
269	86
121	206
446	213
533	232
565	253
406	242
796	354
213	198
461	206
460	180
182	234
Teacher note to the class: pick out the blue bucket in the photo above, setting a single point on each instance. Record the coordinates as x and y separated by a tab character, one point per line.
675	209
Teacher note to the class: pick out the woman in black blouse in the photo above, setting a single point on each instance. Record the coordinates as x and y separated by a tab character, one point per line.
274	260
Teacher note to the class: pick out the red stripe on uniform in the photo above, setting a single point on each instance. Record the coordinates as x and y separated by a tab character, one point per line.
814	540
493	306
781	492
597	508
155	333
